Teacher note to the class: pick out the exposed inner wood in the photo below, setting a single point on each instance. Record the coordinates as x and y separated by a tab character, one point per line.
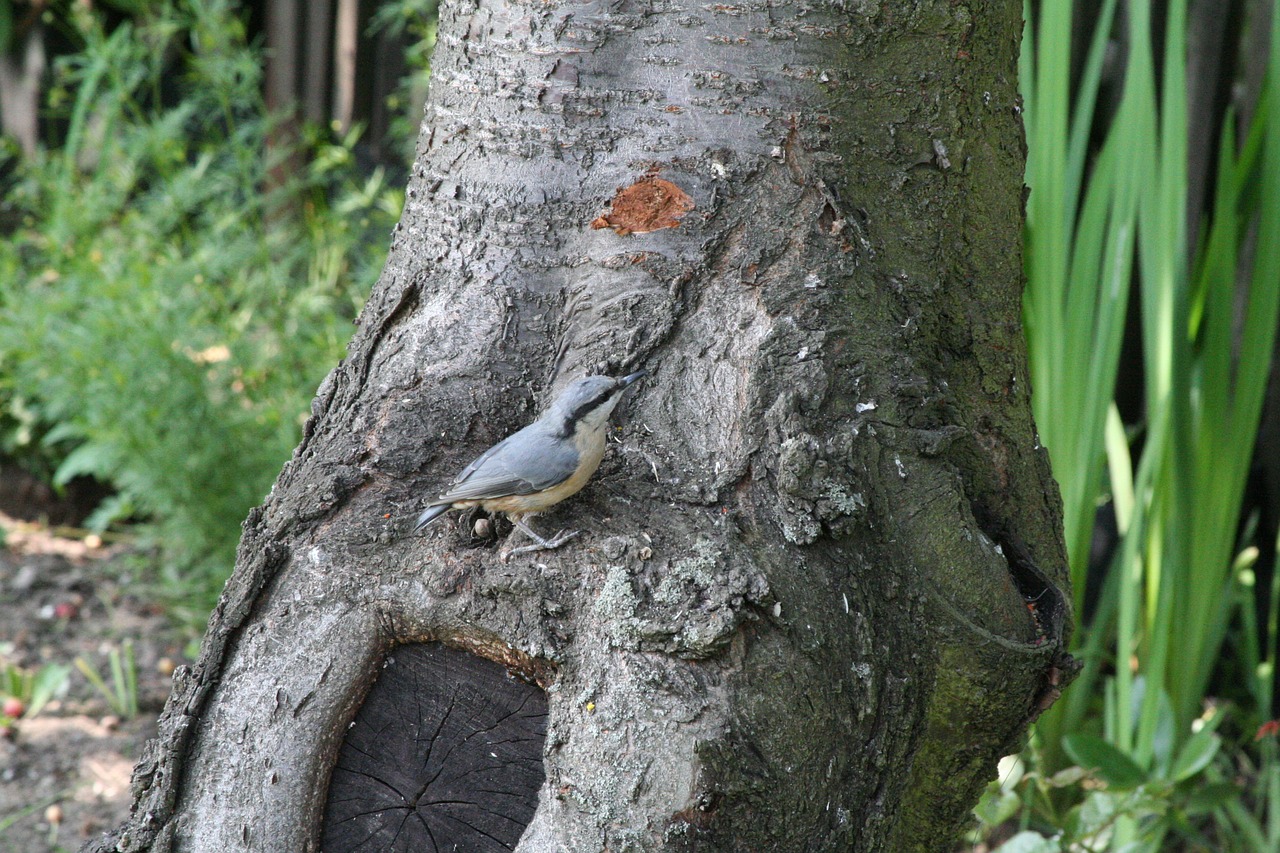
445	754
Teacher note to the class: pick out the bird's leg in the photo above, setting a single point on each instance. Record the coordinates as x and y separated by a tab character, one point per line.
540	544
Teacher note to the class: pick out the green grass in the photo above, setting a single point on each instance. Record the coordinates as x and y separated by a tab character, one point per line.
121	692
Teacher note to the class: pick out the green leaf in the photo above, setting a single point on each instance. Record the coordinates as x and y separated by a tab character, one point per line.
49	680
63	431
1097	810
1211	797
92	459
1163	728
1067	777
1114	766
112	509
1195	755
1140	846
1030	842
16	682
996	805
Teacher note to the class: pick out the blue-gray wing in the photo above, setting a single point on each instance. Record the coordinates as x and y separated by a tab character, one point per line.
532	460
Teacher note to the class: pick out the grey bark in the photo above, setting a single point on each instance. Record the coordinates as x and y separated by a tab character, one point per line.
818	592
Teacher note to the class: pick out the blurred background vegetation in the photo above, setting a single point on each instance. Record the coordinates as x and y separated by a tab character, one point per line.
181	264
202	196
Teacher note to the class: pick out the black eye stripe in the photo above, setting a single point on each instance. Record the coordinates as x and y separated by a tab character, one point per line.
594	403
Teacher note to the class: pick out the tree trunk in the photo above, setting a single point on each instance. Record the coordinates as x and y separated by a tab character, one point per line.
819	589
22	67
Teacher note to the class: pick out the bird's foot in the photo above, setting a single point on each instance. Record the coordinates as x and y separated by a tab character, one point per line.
539	543
545	544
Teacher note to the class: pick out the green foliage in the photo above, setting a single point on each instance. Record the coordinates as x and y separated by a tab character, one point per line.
34	688
1079	256
1205	796
121	693
182	276
1100	215
1246	817
1112	802
1168	597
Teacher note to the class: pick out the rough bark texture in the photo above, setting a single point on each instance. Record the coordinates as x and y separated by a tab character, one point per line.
798	617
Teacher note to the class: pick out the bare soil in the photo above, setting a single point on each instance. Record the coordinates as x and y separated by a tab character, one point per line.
64	772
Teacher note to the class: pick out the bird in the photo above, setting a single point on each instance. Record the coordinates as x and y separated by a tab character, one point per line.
537	467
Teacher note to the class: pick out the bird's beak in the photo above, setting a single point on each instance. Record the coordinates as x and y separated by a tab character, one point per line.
627	380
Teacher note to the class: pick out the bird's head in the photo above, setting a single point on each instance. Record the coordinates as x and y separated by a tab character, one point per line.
588	402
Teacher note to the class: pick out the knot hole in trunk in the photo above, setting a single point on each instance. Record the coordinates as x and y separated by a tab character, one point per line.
445	754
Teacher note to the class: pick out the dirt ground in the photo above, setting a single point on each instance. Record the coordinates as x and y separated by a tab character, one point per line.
64	771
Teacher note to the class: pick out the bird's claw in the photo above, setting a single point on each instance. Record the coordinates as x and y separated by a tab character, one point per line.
541	544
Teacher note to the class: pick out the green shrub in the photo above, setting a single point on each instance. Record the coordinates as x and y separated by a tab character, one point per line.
181	278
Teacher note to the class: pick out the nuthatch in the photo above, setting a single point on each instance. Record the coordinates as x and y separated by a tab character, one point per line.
542	464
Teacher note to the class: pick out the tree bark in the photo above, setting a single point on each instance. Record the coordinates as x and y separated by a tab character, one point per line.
819	590
22	67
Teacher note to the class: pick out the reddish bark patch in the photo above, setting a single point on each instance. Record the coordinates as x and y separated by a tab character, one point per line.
650	204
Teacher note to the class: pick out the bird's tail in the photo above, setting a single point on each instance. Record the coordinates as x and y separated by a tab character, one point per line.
431	514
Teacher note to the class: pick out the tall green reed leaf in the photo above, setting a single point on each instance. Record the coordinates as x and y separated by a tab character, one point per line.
1079	255
1208	328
